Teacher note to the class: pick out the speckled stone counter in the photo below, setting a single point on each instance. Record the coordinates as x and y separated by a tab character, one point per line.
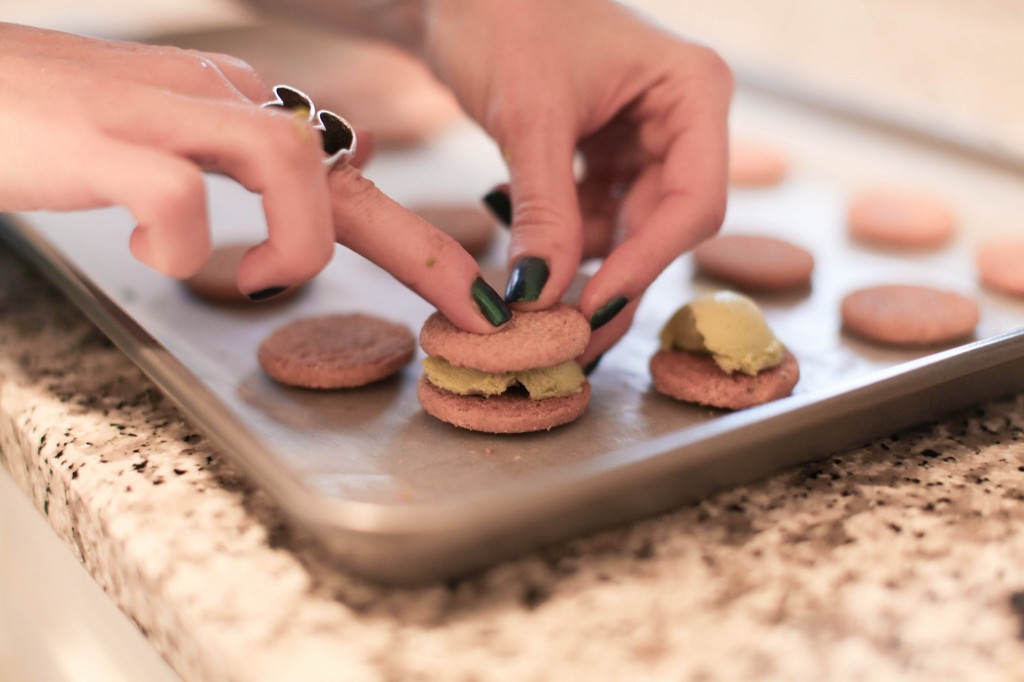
903	559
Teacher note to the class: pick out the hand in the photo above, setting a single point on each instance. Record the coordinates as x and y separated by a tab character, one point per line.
89	123
646	111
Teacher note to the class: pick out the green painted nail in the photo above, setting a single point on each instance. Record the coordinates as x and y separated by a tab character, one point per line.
605	313
489	303
527	279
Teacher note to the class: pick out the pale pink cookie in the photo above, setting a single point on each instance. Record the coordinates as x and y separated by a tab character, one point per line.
541	338
1000	263
756	163
901	218
505	413
755	262
336	351
216	281
907	315
696	378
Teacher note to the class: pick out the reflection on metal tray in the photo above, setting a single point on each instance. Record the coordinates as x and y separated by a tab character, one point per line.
400	497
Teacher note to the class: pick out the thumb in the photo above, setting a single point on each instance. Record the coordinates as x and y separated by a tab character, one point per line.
546	232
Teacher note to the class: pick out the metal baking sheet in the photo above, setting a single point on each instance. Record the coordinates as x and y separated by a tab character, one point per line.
400	497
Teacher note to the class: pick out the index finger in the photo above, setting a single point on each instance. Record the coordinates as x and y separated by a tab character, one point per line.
419	255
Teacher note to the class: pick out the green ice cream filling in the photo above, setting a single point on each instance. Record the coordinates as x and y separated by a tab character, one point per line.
546	382
728	326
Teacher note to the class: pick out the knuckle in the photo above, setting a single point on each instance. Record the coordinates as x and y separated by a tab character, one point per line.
712	65
542	221
533	216
241	70
192	61
218	58
286	139
353	197
175	186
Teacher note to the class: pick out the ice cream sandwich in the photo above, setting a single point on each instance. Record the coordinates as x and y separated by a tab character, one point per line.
522	378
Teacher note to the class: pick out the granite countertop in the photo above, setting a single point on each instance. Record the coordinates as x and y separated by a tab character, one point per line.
903	559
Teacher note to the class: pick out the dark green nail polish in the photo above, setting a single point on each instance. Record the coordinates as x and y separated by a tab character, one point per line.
605	313
501	206
489	303
527	279
264	294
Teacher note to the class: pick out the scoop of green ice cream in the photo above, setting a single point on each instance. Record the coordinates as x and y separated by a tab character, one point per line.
542	383
728	326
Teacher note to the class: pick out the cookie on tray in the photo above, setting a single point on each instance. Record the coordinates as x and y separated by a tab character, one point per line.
522	378
908	315
755	162
216	281
719	351
900	218
696	378
336	351
1000	263
755	263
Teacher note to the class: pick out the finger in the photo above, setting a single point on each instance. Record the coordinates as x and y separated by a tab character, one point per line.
546	242
201	74
269	152
422	257
669	209
366	147
165	194
167	197
240	75
293	182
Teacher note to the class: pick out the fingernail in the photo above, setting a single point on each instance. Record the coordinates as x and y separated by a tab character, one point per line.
593	365
264	294
527	279
500	204
605	313
489	303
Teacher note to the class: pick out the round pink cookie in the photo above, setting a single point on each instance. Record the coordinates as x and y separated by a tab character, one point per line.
902	218
216	281
695	378
510	412
907	315
336	351
755	262
1000	264
542	338
756	163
